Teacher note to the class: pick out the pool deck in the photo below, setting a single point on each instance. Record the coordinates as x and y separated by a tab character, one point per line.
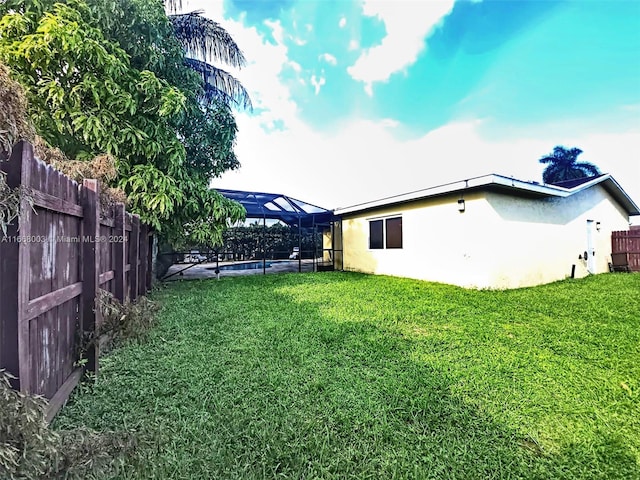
207	270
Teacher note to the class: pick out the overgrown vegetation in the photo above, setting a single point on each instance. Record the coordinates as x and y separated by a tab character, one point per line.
29	449
112	78
15	126
9	204
27	446
342	375
121	323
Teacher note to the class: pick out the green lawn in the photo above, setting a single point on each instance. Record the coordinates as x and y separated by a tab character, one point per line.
342	375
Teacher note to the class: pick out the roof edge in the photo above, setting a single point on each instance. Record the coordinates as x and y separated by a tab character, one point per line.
486	181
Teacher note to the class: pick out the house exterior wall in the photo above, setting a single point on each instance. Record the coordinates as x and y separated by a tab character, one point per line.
499	241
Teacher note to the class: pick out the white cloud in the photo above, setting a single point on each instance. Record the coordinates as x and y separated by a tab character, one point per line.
295	66
265	62
279	33
407	29
214	9
343	22
362	160
389	122
276	30
318	82
330	59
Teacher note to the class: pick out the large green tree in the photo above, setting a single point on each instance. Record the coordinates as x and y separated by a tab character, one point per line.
111	76
563	165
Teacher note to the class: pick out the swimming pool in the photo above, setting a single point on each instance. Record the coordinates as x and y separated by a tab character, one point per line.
241	266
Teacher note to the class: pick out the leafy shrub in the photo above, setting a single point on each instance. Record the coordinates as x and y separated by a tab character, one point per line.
29	449
14	122
15	125
9	203
120	322
27	446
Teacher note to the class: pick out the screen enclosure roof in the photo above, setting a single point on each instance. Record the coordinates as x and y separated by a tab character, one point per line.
280	207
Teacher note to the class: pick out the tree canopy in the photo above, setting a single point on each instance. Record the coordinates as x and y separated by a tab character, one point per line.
563	165
112	77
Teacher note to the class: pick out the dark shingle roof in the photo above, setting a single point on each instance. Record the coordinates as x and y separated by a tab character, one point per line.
575	182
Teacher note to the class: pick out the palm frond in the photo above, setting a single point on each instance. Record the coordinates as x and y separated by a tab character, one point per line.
205	39
221	85
566	155
588	168
552	174
173	5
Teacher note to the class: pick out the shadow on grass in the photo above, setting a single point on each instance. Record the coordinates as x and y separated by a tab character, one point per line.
264	378
391	416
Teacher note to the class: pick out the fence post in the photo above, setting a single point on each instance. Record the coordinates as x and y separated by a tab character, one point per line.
150	272
15	268
90	269
134	257
119	259
143	254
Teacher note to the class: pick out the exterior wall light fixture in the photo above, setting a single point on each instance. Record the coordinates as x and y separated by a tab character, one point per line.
598	226
461	206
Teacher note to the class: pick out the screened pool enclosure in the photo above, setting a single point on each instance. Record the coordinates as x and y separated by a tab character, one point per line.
280	233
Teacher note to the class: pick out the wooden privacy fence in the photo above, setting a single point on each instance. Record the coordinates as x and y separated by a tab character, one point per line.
627	242
50	272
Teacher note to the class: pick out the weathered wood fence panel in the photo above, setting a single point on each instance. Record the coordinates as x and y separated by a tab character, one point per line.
50	272
628	241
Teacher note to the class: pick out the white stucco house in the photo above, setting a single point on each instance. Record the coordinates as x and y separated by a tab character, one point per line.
488	232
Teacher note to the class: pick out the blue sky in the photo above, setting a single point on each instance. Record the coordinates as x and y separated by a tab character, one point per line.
357	100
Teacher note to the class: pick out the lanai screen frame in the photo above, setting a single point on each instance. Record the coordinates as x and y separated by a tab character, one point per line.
277	206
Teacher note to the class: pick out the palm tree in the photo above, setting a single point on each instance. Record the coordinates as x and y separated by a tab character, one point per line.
204	39
562	165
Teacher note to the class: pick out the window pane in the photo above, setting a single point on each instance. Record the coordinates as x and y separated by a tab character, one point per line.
375	234
394	232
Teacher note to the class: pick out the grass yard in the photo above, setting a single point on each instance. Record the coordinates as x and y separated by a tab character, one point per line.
342	375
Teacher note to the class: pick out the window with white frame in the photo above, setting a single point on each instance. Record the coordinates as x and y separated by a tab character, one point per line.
385	233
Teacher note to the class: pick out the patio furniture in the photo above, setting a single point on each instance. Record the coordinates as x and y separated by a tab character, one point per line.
620	262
